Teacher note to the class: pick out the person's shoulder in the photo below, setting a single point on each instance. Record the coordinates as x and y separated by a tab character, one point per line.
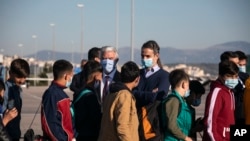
124	94
163	71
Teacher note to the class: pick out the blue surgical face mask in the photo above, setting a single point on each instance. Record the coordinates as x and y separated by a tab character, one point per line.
231	83
108	65
242	68
196	102
187	93
68	83
148	63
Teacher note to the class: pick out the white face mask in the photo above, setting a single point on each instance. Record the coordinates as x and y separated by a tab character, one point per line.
242	68
187	93
68	83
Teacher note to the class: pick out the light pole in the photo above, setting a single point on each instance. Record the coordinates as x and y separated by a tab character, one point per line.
35	63
132	30
117	25
53	38
21	48
81	7
73	49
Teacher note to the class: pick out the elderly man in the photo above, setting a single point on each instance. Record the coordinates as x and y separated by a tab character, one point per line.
109	59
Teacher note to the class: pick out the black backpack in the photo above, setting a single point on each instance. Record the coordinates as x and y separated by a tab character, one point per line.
150	122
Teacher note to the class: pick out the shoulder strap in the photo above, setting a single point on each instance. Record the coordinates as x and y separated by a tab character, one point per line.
81	94
35	115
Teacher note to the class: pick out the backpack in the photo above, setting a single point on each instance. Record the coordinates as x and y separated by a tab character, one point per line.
72	106
150	122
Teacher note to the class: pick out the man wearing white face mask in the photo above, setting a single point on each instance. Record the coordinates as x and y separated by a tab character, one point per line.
220	103
109	59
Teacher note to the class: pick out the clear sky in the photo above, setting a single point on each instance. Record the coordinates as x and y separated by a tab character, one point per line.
172	23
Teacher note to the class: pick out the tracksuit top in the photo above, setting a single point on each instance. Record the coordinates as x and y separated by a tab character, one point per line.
219	112
56	117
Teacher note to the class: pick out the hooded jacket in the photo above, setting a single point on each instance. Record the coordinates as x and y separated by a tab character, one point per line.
119	120
219	112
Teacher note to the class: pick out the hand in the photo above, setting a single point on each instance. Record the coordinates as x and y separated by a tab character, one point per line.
9	115
188	139
155	90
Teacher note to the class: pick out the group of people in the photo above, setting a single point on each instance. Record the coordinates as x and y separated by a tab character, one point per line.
106	101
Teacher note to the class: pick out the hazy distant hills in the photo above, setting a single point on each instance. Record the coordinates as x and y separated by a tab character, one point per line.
169	55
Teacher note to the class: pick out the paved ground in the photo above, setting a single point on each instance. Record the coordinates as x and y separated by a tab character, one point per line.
31	101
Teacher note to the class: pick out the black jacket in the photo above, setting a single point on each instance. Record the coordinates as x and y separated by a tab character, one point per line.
88	116
4	136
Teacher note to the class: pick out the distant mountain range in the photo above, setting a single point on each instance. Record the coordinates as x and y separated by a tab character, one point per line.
168	55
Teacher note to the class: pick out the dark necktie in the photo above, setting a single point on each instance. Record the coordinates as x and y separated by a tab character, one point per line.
105	88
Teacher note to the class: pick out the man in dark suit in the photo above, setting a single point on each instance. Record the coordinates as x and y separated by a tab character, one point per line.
109	59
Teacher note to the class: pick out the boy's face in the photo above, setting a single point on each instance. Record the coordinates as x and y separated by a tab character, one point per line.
243	62
19	80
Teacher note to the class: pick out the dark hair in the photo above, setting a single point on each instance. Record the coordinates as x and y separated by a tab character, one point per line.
242	55
196	86
129	72
228	67
2	86
227	55
91	67
151	44
20	68
61	67
83	61
176	76
93	53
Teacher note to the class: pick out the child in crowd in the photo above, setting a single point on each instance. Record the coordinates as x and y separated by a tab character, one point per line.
177	114
55	111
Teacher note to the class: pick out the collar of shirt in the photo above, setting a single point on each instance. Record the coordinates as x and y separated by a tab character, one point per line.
152	71
111	76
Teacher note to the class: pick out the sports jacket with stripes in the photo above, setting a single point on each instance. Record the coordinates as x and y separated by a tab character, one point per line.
219	112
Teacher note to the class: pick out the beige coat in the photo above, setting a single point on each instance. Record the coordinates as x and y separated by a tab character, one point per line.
120	120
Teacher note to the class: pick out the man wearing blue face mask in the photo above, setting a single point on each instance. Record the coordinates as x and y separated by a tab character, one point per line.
109	59
240	88
194	99
220	104
154	82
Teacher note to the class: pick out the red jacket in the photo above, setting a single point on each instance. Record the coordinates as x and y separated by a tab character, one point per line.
219	112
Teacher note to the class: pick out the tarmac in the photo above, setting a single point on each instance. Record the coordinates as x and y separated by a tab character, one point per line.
32	97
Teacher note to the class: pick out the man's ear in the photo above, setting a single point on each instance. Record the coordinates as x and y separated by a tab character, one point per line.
137	79
183	84
65	77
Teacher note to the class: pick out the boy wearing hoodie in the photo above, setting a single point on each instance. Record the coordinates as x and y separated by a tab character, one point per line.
219	108
119	120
